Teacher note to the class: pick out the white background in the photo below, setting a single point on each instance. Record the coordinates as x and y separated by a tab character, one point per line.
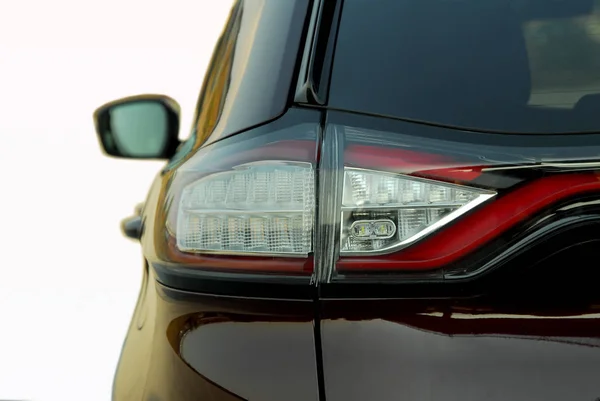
69	279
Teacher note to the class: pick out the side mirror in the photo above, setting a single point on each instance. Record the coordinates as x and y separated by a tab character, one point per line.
139	127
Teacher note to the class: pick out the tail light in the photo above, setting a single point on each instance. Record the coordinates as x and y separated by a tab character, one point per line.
449	197
262	202
263	207
383	212
246	203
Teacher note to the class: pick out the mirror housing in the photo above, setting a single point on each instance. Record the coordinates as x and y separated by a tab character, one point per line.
139	127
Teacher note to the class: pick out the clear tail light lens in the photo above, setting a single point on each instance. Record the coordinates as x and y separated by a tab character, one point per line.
264	207
245	203
383	212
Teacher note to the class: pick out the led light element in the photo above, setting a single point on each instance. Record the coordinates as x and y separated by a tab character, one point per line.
375	229
382	212
256	208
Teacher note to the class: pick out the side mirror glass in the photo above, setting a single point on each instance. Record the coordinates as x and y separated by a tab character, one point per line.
140	127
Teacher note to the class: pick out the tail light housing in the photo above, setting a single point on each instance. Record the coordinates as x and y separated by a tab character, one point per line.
301	201
246	203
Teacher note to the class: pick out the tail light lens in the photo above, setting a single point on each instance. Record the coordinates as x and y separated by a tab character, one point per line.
383	212
388	202
264	207
246	203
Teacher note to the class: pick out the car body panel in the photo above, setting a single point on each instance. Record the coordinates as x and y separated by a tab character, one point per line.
190	346
529	331
421	357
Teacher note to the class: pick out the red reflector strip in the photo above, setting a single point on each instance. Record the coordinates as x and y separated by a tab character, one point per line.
460	174
482	225
410	162
375	157
233	263
288	150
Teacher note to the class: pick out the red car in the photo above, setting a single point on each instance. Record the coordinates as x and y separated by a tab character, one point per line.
379	200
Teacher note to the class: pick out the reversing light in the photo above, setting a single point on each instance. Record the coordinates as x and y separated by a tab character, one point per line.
382	212
375	229
257	208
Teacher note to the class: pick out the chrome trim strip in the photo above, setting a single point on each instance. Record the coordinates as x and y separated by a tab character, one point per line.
559	165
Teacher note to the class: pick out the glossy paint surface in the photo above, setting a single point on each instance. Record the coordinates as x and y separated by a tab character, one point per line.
186	346
409	359
531	334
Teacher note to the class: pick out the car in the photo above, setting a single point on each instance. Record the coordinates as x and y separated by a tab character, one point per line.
378	200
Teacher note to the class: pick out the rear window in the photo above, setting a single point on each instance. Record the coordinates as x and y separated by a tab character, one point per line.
518	66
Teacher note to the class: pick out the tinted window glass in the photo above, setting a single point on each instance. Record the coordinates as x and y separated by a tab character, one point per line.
527	66
249	77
